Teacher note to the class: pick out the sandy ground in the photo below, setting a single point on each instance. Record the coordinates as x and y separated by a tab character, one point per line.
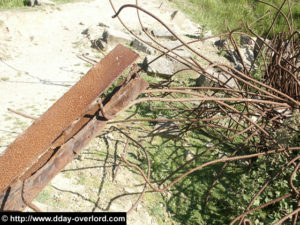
38	64
38	52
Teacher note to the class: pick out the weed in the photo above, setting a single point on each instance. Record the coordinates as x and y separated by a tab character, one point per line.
215	13
222	53
9	4
5	78
76	44
44	196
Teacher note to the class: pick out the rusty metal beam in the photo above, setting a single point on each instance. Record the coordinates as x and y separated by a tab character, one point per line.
31	187
37	139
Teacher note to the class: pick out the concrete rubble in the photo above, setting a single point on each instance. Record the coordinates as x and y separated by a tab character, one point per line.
105	37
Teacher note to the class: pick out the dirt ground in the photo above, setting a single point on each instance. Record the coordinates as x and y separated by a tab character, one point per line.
39	50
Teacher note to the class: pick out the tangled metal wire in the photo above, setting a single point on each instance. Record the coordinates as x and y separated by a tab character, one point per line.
253	108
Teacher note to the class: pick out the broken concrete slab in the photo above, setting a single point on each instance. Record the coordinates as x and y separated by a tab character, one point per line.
211	74
142	47
163	33
114	37
161	66
164	66
173	44
179	48
245	41
183	53
185	25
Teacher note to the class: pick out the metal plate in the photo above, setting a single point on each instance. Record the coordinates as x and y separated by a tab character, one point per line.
33	143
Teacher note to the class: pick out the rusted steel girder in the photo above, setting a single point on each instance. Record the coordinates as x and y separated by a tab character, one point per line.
30	145
69	139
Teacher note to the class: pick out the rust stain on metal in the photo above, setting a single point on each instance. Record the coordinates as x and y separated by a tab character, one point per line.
115	103
29	146
118	102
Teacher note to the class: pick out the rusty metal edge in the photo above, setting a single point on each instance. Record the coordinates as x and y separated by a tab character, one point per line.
34	184
32	143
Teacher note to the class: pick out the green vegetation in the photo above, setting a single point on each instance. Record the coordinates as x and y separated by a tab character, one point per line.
213	13
67	1
44	196
10	4
4	78
236	186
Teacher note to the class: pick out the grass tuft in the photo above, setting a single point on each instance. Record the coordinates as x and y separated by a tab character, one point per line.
218	15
